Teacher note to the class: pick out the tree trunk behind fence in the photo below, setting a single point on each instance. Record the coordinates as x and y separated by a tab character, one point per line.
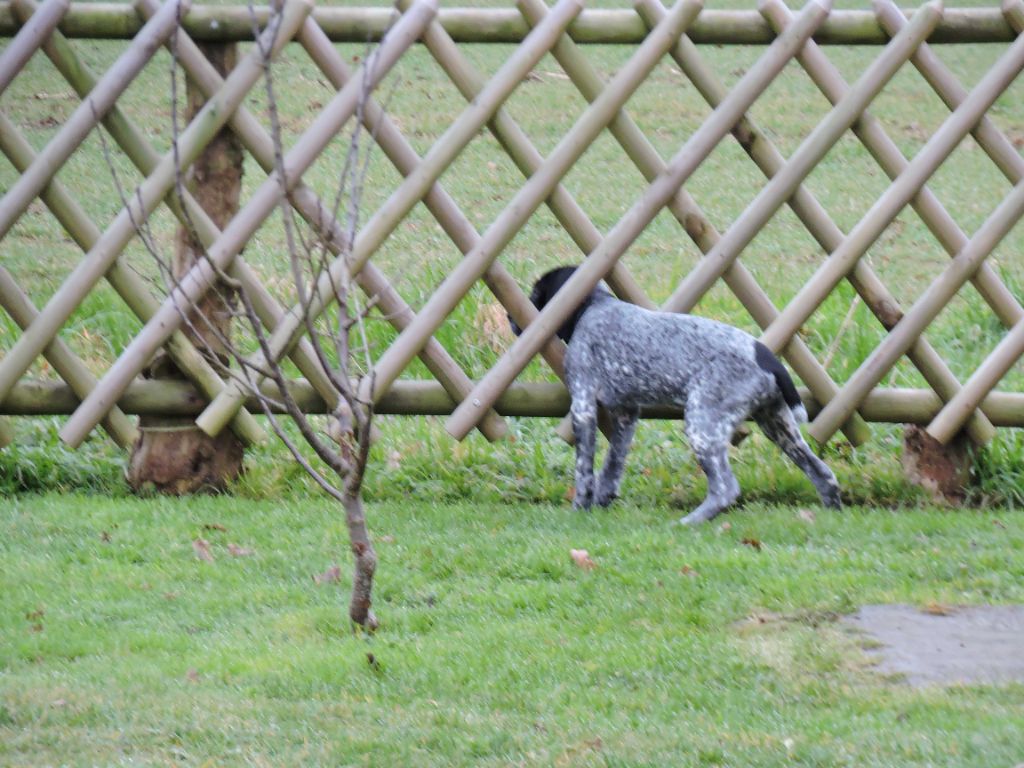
172	455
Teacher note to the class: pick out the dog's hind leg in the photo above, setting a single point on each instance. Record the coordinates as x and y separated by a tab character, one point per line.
584	427
708	430
623	427
781	428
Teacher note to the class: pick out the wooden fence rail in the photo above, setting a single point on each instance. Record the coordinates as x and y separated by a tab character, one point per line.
652	37
119	21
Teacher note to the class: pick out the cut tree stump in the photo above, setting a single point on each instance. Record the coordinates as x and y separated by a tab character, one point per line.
943	470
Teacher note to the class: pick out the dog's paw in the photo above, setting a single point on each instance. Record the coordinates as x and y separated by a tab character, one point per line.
583	494
696	517
583	499
830	498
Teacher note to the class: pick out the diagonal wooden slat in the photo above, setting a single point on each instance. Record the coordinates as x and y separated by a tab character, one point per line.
63	360
86	116
895	198
462	130
147	196
31	35
889	157
129	286
526	157
877	297
921	314
885	306
807	209
979	386
414	187
402	155
679	169
844	258
444	209
985	378
810	212
931	211
260	144
593	120
952	93
262	203
784	183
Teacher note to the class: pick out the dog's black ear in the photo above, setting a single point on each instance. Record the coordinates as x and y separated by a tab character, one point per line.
544	290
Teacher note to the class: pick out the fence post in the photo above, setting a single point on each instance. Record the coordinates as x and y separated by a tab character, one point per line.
173	455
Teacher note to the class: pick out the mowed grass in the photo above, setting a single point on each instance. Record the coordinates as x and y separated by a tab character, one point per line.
716	646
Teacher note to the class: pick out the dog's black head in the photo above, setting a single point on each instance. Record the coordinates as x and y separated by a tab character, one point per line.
544	290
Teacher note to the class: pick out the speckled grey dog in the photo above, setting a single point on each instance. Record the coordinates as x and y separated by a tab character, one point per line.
623	357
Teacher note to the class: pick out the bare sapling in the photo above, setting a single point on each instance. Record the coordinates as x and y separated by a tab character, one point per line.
334	353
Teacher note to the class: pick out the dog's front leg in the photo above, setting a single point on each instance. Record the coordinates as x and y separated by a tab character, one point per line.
584	427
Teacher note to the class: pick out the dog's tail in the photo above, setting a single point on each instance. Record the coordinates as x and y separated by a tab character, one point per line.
768	362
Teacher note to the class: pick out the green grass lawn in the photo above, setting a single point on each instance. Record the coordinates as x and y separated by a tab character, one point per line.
716	646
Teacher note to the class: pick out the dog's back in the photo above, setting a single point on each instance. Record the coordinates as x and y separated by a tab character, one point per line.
639	358
636	357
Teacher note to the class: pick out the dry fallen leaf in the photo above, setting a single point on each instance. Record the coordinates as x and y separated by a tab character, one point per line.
192	676
688	570
725	527
582	559
806	515
331	576
752	543
202	549
236	551
937	609
214	527
387	539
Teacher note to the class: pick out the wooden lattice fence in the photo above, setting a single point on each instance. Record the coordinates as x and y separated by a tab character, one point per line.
647	40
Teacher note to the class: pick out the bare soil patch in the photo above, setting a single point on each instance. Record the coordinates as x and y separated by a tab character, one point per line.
965	645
